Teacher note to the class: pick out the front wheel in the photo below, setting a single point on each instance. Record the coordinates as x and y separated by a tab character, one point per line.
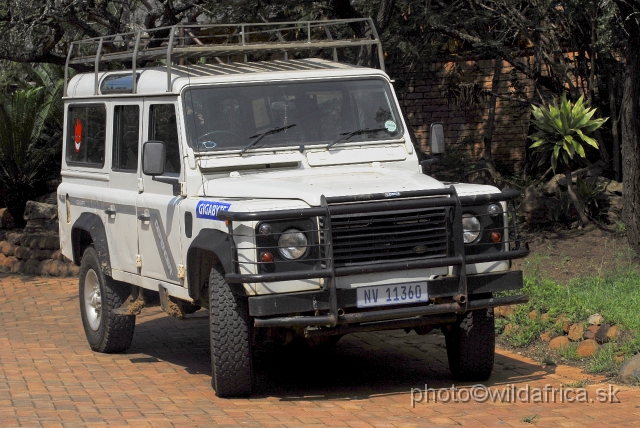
100	296
471	345
230	337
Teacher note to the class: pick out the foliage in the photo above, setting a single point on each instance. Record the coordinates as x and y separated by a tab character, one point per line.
29	143
562	130
577	300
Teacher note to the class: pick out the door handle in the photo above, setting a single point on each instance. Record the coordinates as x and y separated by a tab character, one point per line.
109	211
144	217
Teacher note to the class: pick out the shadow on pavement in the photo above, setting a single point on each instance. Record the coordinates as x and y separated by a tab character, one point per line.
357	367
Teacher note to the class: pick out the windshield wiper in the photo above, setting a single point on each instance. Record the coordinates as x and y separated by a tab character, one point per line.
264	134
347	135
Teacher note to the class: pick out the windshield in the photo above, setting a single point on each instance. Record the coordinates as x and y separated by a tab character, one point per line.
225	118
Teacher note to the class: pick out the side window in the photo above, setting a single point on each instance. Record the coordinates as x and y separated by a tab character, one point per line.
86	135
126	130
163	127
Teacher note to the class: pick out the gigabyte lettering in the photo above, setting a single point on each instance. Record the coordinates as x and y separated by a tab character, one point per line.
210	210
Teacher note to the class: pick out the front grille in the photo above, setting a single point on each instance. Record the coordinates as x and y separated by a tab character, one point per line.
409	234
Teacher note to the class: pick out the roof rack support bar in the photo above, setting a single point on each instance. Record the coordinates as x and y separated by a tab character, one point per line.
66	70
97	66
330	37
308	32
243	41
134	63
380	51
169	48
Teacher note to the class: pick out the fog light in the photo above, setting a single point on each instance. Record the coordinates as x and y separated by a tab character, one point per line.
265	229
496	236
266	257
494	210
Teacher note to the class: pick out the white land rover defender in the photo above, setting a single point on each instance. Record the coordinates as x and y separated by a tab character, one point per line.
284	195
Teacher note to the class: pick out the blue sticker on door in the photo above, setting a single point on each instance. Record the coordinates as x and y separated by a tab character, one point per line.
210	210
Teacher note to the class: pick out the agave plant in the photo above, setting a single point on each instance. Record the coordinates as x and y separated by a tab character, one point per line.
561	133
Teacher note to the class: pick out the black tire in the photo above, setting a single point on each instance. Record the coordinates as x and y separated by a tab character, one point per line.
230	337
471	345
106	332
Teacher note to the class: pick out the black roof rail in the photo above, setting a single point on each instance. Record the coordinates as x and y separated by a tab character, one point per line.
183	41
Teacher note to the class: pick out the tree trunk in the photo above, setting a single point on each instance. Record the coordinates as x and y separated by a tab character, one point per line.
574	198
495	86
630	124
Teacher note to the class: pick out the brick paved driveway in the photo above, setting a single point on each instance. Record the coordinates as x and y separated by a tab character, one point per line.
49	377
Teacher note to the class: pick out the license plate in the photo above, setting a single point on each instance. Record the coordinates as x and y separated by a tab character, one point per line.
394	294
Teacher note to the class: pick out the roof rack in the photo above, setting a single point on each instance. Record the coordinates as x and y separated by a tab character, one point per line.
213	41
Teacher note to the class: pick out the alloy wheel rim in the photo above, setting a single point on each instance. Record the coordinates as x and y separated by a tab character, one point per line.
92	300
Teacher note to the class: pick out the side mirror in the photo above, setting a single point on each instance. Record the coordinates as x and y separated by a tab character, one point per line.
153	158
436	139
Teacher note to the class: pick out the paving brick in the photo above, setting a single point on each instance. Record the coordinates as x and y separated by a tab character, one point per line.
50	377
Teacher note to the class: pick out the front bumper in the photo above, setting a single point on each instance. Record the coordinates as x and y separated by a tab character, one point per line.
449	295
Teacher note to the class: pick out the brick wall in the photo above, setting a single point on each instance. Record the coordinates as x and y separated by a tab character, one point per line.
451	93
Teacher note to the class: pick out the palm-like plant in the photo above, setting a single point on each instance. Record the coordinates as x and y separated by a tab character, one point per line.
562	131
24	160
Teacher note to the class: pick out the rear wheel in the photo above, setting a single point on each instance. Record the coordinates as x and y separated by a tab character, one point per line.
100	296
230	337
471	345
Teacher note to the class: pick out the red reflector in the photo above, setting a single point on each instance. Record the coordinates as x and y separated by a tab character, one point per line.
496	237
266	257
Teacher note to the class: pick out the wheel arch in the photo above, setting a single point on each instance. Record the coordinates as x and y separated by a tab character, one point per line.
89	230
209	248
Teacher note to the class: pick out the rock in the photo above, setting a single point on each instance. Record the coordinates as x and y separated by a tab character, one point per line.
2	257
533	315
15	238
57	255
31	267
538	209
61	268
630	371
575	332
45	267
30	241
601	333
613	333
595	319
509	329
22	253
7	248
544	317
41	254
590	332
8	263
6	219
559	342
564	322
38	210
587	348
74	270
546	336
618	357
503	311
17	266
51	242
615	187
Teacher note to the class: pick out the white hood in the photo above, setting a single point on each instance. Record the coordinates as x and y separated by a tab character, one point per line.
309	185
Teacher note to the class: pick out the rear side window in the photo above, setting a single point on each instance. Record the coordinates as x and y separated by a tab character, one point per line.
126	130
86	135
163	127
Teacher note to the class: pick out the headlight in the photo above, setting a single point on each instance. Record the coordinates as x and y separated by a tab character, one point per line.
470	228
292	244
